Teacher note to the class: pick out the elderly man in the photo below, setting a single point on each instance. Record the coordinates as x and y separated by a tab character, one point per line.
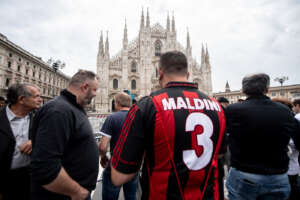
259	133
111	131
15	140
65	157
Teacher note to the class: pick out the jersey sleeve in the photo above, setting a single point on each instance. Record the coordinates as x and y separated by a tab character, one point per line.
130	148
106	129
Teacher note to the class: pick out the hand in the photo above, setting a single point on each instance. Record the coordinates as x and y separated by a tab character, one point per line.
82	194
104	161
26	147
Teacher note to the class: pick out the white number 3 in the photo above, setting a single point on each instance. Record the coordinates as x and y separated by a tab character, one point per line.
190	158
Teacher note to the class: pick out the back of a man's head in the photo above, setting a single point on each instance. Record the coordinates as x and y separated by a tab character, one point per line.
222	100
296	102
2	101
296	106
81	77
16	90
256	84
123	99
174	62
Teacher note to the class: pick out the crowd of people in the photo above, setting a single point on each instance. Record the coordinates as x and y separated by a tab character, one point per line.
179	138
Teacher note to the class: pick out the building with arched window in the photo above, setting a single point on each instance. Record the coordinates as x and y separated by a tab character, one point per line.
134	67
133	85
18	65
115	83
157	47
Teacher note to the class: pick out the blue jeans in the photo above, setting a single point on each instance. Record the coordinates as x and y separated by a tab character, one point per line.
247	186
111	192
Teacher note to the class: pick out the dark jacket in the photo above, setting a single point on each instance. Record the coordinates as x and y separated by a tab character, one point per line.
62	137
259	132
7	146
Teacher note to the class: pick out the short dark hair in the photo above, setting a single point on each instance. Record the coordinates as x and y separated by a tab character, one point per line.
222	100
16	90
2	98
296	102
82	76
256	84
173	62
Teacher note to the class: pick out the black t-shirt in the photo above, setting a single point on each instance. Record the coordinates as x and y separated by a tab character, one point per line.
112	127
179	130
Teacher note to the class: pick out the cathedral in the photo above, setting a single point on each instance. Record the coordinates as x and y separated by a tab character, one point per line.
134	67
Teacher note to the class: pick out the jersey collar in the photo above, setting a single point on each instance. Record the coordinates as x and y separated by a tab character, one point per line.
181	84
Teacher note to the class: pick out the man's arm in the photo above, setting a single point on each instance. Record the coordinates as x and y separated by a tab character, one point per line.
103	146
64	184
119	178
4	164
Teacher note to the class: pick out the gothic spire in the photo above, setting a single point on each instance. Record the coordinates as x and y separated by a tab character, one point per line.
202	54
173	23
148	19
101	48
125	38
188	44
142	20
107	45
207	55
227	88
168	23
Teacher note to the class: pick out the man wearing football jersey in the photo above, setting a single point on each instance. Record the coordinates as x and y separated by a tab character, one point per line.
259	133
177	133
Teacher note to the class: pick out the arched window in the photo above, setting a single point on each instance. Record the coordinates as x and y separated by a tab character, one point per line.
158	46
133	66
133	84
115	83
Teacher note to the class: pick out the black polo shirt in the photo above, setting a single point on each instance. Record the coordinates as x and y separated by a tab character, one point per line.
62	137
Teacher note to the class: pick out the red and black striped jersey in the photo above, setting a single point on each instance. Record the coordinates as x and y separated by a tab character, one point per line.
178	131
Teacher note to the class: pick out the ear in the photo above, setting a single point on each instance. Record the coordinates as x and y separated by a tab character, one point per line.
21	99
85	86
267	90
160	74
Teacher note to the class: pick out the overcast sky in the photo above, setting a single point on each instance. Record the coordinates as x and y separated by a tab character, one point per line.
242	36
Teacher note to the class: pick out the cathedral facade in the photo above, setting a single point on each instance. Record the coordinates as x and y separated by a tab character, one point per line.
134	68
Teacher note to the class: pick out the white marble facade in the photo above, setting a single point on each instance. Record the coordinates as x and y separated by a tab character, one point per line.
134	68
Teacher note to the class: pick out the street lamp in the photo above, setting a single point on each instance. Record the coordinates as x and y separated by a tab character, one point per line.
56	65
281	80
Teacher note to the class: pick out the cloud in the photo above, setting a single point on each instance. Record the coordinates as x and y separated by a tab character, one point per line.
243	36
